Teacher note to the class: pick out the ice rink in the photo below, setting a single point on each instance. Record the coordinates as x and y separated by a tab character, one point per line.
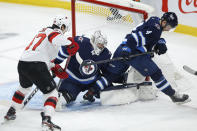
18	25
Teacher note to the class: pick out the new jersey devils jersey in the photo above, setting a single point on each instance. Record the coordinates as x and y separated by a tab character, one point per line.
45	46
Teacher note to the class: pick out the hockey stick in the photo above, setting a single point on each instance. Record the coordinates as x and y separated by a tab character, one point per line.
29	97
26	101
59	103
190	70
114	59
128	85
67	62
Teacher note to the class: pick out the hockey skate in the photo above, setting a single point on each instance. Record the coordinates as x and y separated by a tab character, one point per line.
11	114
47	125
180	98
89	96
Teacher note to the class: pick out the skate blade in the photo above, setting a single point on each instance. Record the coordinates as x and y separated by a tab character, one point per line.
48	127
6	121
186	101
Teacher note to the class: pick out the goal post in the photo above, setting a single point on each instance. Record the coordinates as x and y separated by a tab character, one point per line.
73	18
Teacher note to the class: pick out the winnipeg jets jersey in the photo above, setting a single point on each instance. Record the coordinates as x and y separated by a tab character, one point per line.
45	46
85	52
145	35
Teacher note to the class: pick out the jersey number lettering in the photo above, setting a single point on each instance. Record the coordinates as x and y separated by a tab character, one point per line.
41	38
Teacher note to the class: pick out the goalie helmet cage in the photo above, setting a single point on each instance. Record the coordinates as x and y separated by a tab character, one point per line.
110	16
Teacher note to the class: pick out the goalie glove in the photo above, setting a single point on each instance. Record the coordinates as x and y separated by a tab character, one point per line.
59	71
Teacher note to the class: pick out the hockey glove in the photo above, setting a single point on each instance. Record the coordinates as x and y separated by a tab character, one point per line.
59	71
160	47
73	47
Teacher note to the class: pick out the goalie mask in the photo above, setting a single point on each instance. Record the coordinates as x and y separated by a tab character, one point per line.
60	21
98	41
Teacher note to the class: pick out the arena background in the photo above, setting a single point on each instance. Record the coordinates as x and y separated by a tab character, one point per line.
185	9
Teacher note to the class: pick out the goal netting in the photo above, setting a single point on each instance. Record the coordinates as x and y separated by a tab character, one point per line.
115	18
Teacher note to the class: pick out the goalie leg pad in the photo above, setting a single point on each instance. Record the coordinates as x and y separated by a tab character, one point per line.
118	96
134	76
147	93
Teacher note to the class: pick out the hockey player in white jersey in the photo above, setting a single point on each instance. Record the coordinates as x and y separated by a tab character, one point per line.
34	66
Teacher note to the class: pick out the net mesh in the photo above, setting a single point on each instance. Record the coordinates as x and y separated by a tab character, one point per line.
90	17
104	11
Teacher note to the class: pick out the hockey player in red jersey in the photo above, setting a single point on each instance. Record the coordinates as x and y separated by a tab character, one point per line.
34	66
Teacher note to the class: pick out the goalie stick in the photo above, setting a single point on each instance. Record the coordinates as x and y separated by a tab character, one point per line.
127	85
190	70
26	101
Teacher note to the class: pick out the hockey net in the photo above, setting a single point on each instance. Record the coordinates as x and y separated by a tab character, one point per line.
114	18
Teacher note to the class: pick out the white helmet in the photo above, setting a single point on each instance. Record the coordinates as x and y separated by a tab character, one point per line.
62	20
98	38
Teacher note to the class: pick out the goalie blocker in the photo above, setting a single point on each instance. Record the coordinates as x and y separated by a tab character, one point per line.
127	93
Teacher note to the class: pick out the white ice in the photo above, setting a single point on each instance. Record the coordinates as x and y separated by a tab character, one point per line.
19	23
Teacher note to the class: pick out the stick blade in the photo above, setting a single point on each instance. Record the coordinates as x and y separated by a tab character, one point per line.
190	70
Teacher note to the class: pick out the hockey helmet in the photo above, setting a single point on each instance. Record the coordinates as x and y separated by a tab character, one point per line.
98	41
61	20
171	19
